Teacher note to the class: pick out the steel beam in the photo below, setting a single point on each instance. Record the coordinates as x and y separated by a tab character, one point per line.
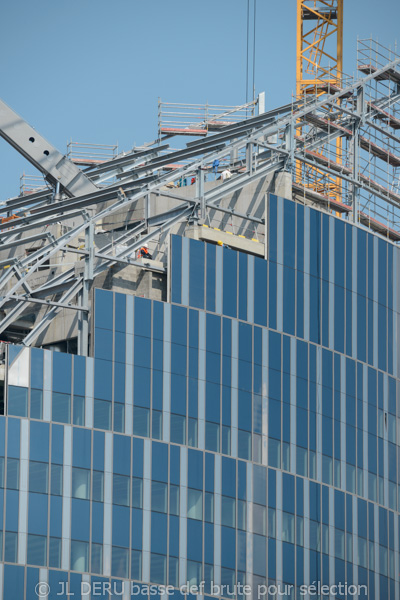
45	322
232	185
27	240
42	155
31	300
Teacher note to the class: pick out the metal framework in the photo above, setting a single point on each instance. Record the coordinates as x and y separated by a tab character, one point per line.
364	115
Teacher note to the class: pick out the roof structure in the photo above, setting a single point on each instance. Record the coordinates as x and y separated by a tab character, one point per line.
103	214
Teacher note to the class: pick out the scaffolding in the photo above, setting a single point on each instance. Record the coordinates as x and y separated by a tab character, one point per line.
379	155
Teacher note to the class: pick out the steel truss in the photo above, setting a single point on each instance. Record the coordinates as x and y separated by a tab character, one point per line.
363	115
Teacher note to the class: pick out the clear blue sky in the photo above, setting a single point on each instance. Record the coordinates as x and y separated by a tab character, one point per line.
92	70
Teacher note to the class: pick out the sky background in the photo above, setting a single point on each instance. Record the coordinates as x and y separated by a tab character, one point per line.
92	70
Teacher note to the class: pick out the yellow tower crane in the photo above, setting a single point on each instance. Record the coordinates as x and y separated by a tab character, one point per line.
319	45
319	70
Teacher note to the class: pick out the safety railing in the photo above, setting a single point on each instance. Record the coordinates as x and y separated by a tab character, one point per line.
371	52
28	184
91	154
199	119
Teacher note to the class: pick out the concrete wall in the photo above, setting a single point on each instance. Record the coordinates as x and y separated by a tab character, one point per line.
250	200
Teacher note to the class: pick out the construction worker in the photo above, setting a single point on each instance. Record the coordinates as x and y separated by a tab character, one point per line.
226	175
144	252
219	243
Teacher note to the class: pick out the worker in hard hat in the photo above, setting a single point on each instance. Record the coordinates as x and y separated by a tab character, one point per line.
144	251
219	243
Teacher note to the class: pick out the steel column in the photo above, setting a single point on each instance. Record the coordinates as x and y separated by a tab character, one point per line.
83	327
200	193
355	152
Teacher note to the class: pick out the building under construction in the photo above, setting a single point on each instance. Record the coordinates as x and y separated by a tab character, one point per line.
224	411
335	149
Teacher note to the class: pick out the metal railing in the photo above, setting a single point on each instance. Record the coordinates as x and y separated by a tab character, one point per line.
371	52
175	118
91	154
28	184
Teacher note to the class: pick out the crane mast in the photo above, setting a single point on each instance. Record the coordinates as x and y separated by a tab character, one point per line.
319	66
319	45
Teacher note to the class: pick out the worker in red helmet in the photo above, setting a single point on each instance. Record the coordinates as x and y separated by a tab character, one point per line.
144	252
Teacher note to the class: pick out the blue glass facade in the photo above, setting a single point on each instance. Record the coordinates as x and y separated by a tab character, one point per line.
244	432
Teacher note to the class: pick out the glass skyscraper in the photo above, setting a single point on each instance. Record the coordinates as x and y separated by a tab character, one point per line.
242	433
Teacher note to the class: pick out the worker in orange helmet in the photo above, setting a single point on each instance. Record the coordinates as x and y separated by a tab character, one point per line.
144	252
